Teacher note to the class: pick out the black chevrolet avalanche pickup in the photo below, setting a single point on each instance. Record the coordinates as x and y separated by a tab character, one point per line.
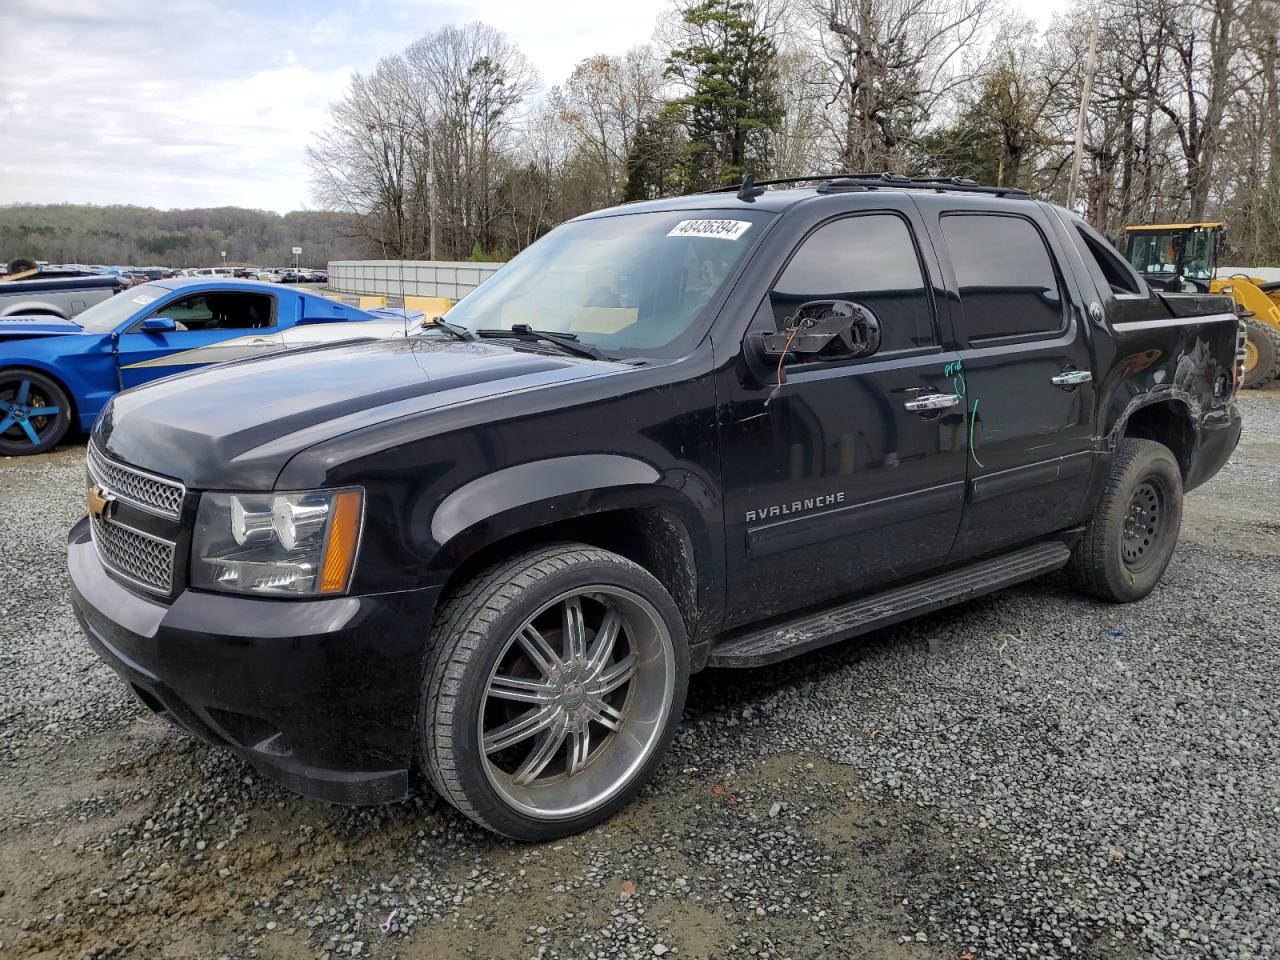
718	430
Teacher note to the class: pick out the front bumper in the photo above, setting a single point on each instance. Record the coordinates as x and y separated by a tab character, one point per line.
318	695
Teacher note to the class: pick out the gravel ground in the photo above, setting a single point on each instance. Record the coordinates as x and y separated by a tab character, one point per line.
1061	779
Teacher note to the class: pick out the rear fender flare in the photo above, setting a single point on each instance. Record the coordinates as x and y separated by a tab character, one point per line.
43	307
1158	395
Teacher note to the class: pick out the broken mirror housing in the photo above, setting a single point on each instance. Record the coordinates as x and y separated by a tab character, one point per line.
827	330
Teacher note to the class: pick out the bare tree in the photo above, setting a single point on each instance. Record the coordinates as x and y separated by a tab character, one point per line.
893	63
360	161
800	144
1203	48
471	82
603	103
447	148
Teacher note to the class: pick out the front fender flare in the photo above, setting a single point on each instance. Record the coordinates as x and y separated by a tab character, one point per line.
538	480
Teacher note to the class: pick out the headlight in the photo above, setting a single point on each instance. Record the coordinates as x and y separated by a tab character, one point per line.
277	543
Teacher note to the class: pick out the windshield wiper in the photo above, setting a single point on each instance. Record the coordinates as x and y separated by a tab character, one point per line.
566	341
455	330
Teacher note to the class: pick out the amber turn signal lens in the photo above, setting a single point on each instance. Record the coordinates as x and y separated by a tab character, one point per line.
340	549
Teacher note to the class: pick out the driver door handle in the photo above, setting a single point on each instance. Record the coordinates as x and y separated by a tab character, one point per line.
1069	378
931	401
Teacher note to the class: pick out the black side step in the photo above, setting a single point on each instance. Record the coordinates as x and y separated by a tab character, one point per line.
834	624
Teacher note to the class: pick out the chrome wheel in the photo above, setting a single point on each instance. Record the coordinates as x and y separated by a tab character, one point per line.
576	702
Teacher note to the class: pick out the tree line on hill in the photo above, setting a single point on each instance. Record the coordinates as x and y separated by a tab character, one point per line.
451	148
142	236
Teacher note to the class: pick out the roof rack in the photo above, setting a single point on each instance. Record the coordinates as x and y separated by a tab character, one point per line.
900	182
749	182
750	188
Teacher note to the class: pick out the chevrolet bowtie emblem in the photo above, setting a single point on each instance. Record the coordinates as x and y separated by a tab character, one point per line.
100	502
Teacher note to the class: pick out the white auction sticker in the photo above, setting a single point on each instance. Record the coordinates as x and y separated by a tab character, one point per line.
143	299
720	229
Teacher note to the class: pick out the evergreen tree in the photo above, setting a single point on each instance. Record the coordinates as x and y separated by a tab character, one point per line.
729	67
653	165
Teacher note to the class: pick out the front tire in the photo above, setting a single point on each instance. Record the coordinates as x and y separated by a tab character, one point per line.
1129	540
554	684
35	413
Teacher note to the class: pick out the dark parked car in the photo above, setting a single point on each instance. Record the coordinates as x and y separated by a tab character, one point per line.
720	430
55	295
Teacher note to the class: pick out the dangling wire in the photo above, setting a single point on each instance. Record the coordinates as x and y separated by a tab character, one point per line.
782	357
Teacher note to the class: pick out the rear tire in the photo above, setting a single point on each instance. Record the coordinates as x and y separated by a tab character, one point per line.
1263	348
1129	540
35	413
22	265
553	686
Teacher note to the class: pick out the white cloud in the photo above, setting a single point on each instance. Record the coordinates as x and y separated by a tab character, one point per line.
205	105
212	102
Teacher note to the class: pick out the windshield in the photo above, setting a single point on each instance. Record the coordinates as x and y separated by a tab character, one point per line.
1158	252
630	285
106	315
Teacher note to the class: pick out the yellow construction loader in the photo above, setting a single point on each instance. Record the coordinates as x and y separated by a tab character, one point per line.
1184	256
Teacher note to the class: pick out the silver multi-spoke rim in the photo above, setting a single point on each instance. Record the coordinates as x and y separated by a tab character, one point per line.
576	702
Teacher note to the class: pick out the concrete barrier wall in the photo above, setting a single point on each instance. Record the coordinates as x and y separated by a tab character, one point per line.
1269	274
414	278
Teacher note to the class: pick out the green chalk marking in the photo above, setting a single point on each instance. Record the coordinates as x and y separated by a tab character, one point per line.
973	418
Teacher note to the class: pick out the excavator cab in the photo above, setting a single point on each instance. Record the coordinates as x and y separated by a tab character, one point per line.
1179	257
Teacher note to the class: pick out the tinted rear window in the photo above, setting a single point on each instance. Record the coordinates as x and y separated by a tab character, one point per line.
1008	285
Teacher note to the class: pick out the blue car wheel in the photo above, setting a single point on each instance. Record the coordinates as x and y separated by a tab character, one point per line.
34	413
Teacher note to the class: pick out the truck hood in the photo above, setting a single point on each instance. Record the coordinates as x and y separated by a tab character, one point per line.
235	425
18	327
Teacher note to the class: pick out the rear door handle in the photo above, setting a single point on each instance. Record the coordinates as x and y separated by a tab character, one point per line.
1069	378
931	401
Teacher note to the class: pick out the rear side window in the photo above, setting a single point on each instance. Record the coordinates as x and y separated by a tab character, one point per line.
871	260
1008	286
1117	273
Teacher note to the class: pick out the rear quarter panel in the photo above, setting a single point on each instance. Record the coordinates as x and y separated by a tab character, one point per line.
1187	361
1155	348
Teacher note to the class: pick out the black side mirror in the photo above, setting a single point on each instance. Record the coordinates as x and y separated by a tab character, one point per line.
826	330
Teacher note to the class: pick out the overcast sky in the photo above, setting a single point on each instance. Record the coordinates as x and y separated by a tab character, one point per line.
190	103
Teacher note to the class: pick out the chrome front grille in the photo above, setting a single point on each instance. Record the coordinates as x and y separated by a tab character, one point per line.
138	557
146	491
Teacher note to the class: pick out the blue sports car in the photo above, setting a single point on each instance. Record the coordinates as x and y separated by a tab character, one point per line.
56	374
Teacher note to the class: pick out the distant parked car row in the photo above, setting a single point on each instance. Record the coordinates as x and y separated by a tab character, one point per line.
132	276
268	274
